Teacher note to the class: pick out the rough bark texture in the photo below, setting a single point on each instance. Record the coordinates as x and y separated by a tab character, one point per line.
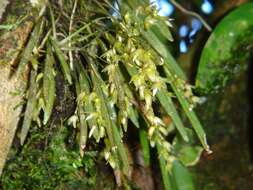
3	4
11	86
9	116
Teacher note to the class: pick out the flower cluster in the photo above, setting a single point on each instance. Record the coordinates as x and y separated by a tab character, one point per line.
130	51
93	115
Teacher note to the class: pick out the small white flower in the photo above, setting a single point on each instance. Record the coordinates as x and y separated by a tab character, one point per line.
107	155
151	131
152	144
91	116
154	91
114	148
93	128
157	121
34	2
73	120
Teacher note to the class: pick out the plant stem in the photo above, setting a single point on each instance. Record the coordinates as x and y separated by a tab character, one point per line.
191	13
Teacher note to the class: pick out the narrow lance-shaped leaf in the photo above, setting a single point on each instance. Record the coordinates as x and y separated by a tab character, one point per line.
169	107
145	146
28	51
63	63
165	173
163	29
162	50
52	20
76	33
48	85
188	111
30	107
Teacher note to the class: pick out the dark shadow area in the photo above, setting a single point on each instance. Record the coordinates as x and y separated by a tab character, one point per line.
250	99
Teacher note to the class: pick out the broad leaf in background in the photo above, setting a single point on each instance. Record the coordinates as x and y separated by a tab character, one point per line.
227	47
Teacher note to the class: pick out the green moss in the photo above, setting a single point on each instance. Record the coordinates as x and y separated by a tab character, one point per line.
49	166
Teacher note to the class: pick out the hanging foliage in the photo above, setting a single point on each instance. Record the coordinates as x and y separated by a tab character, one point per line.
119	67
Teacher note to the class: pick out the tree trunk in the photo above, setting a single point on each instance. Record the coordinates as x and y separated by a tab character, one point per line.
11	85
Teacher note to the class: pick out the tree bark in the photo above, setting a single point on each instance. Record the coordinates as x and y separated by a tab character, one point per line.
11	86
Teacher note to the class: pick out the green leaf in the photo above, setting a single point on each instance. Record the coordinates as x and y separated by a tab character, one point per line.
188	111
76	33
226	49
48	85
6	26
188	153
134	116
163	30
182	177
145	146
169	107
28	51
63	63
165	173
30	107
162	49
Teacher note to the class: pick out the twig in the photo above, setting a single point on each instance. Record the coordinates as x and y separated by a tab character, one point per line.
177	5
70	31
44	40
